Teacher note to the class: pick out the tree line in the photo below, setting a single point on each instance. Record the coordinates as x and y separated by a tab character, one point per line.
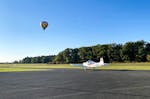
38	59
138	51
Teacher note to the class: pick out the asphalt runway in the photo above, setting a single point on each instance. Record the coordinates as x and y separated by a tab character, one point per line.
75	84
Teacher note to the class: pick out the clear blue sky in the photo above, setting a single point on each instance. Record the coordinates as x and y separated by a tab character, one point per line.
72	23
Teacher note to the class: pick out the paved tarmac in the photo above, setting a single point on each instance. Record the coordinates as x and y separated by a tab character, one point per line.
75	84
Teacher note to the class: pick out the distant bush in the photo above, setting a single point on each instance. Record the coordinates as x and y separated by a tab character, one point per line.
148	57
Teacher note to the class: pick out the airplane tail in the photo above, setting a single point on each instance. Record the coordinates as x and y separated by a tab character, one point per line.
101	60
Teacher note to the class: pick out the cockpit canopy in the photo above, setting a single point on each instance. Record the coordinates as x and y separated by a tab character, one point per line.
90	62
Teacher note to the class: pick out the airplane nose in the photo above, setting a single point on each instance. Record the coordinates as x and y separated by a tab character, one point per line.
84	64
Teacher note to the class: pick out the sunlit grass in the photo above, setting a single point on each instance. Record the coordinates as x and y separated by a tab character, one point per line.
41	67
127	66
19	69
33	67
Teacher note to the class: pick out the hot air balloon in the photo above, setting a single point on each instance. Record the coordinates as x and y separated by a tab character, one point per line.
44	24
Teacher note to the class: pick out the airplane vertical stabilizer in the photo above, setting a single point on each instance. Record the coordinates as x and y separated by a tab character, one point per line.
101	60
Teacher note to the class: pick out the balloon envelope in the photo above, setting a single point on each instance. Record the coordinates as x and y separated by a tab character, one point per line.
44	24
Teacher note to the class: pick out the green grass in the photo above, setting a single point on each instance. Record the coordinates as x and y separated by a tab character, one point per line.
43	67
33	67
38	66
19	69
127	66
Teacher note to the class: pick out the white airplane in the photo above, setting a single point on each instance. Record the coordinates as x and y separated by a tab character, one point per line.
91	64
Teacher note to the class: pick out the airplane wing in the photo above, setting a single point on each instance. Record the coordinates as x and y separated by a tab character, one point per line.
76	64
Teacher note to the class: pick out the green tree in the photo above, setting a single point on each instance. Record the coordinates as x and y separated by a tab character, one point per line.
140	51
75	56
128	52
26	60
114	52
85	53
59	58
96	52
104	52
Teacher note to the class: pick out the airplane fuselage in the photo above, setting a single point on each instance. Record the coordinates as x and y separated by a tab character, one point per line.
92	65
